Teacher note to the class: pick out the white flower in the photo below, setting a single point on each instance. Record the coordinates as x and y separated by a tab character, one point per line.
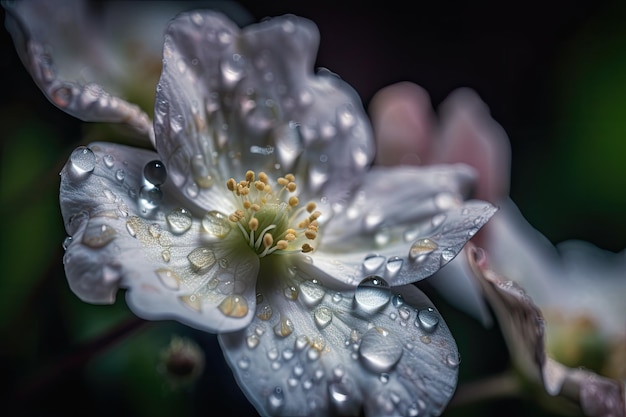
259	218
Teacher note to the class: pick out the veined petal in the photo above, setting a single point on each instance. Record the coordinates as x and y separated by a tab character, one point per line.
404	224
61	48
230	100
313	351
128	233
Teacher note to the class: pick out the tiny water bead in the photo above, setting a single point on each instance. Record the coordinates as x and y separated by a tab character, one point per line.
427	319
372	293
272	220
155	173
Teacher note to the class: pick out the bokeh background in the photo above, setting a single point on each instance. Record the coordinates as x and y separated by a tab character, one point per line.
553	74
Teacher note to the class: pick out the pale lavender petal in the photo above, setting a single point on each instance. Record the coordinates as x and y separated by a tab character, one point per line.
314	351
232	100
404	235
127	233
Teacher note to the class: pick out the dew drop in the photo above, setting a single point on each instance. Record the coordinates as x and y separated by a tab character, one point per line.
155	173
98	235
166	255
265	313
83	161
179	221
66	242
371	263
301	342
169	278
192	190
108	160
372	293
421	248
323	316
150	197
397	300
339	393
233	69
252	341
234	306
291	293
384	377
276	400
216	223
243	363
192	301
393	267
298	369
312	293
453	360
272	354
438	219
379	350
288	354
427	319
337	297
284	327
120	174
201	259
404	312
446	256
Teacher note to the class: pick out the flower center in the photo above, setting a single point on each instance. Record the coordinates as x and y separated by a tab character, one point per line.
272	220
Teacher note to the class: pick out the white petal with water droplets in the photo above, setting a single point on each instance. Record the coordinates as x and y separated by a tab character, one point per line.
413	219
248	99
339	357
170	271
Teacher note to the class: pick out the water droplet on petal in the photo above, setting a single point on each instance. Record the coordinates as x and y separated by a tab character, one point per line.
427	319
453	360
120	174
179	221
323	316
446	256
372	293
201	259
98	235
291	293
394	265
233	69
155	173
339	393
234	306
108	160
379	350
446	201
243	363
371	263
66	242
252	341
150	197
166	255
337	297
192	301
216	223
284	327
312	293
275	400
169	278
384	377
265	313
421	248
83	161
397	300
438	219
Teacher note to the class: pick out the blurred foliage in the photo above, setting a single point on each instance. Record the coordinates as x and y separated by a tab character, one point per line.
560	94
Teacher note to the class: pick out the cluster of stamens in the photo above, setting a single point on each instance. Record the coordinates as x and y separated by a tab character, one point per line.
265	217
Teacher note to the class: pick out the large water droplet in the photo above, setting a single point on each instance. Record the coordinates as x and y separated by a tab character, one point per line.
372	293
201	259
421	248
234	306
323	316
83	161
179	221
98	235
216	223
276	400
427	319
379	350
371	263
150	197
155	173
312	293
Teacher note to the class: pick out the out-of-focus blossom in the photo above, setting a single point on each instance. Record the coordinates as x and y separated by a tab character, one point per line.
259	217
182	362
578	287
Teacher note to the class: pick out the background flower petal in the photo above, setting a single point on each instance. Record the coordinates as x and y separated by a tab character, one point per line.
121	237
315	351
230	100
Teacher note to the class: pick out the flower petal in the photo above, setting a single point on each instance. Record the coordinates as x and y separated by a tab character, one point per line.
313	351
233	100
60	47
405	223
522	325
127	233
